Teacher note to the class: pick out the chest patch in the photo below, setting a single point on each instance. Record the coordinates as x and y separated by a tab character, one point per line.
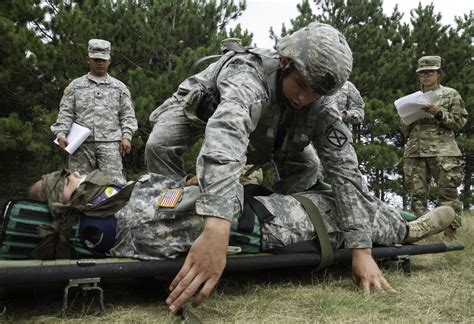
336	137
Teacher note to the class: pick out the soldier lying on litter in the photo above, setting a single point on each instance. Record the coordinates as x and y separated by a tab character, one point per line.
155	218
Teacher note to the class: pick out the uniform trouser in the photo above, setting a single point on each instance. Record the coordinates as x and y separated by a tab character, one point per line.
145	232
174	133
447	173
104	156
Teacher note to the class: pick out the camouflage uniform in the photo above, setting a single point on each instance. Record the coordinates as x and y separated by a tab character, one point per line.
349	101
146	232
104	105
432	151
253	123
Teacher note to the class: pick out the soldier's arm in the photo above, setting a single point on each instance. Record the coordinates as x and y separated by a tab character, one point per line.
454	115
128	122
66	113
203	265
223	153
404	128
353	202
355	106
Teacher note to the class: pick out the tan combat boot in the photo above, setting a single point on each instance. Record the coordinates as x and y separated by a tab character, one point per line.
430	223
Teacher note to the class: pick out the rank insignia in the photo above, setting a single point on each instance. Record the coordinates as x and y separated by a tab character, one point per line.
171	198
336	137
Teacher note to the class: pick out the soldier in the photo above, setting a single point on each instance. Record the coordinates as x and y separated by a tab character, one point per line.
431	150
350	104
147	229
252	106
104	105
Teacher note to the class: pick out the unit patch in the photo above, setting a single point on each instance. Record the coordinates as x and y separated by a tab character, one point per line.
336	137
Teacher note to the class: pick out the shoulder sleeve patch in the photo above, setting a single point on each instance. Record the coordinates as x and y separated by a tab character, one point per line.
336	137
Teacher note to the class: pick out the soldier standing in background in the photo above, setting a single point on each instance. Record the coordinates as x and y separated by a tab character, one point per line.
104	105
350	104
431	150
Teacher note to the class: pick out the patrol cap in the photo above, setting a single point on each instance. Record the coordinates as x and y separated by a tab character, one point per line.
429	63
99	48
321	54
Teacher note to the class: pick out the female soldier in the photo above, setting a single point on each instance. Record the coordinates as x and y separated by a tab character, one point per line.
431	150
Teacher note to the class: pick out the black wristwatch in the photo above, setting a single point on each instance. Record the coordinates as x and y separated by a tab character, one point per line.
439	115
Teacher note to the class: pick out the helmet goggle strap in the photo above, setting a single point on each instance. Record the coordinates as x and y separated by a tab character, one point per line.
325	84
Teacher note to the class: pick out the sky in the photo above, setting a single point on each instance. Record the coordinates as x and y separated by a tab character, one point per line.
261	14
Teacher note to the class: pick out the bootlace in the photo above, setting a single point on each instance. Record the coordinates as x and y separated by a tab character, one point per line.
421	226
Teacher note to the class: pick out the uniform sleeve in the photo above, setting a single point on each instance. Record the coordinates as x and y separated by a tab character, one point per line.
66	113
355	105
454	114
222	156
128	122
404	128
353	200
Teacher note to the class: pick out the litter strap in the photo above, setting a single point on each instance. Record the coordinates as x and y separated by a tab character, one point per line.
327	254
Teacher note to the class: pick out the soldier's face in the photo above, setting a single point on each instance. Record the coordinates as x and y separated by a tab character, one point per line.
428	78
98	67
71	182
297	91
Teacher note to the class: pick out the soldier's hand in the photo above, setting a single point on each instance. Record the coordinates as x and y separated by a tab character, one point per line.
63	142
125	147
203	266
193	181
431	109
344	115
366	273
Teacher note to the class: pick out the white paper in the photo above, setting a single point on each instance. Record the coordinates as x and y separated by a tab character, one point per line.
77	135
409	107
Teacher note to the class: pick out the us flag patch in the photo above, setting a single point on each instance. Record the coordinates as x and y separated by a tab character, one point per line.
170	198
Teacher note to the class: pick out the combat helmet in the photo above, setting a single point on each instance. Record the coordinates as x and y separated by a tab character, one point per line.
321	54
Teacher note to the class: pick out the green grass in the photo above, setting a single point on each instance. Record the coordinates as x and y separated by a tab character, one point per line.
440	289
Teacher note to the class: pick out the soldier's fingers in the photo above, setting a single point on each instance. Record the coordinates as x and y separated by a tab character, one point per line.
180	283
205	291
364	285
182	272
386	286
185	294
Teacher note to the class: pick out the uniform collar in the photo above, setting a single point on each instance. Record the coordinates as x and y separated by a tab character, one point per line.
96	79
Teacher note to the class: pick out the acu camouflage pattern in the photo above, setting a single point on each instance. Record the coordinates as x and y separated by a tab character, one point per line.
103	105
318	50
147	232
292	224
104	156
349	100
432	151
237	105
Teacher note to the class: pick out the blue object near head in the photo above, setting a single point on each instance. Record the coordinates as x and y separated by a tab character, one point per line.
98	234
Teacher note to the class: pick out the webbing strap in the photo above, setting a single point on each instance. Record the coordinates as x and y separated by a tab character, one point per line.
327	254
